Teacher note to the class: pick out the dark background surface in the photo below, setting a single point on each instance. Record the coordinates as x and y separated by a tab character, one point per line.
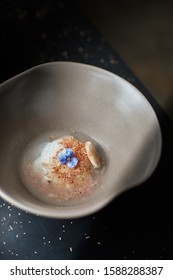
136	225
141	32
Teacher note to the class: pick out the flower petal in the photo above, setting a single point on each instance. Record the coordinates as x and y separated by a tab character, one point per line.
72	163
62	157
69	153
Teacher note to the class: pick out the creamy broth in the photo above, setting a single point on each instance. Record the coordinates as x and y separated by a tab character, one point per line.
46	186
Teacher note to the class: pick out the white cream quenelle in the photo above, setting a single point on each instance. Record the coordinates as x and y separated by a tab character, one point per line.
69	162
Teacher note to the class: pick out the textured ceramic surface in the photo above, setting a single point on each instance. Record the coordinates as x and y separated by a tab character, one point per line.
67	96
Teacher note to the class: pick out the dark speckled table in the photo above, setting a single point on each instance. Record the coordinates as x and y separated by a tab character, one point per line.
136	225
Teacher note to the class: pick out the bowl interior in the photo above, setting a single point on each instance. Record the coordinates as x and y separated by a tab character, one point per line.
65	97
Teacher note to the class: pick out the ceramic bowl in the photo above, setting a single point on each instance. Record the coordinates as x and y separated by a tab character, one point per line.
62	97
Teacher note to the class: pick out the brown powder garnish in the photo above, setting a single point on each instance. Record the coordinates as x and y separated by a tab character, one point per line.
81	173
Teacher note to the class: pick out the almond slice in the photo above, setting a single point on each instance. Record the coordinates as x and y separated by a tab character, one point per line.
92	154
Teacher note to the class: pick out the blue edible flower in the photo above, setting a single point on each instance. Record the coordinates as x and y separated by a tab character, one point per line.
66	156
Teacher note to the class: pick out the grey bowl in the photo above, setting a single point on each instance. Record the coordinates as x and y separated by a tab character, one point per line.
66	96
